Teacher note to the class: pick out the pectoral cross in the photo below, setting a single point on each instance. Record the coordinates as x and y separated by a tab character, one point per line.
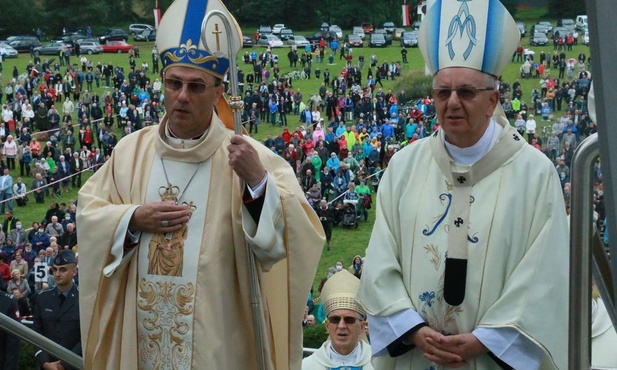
216	32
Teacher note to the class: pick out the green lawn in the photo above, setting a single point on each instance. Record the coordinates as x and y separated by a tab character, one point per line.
346	243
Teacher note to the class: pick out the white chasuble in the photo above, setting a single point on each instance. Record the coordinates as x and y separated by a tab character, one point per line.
514	237
167	272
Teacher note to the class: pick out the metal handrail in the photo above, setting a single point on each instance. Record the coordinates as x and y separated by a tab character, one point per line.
12	327
308	351
586	255
579	333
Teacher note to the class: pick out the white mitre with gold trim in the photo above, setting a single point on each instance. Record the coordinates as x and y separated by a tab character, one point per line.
180	42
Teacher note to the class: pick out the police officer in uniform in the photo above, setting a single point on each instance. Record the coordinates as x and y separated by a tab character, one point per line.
9	344
56	312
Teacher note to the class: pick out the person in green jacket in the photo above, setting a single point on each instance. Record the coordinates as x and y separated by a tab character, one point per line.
362	190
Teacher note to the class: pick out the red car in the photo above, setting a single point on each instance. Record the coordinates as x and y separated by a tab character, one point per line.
367	27
117	47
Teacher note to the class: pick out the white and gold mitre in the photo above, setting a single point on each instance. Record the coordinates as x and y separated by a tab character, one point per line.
339	292
478	34
180	42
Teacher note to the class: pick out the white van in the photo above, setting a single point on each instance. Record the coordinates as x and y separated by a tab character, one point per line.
581	22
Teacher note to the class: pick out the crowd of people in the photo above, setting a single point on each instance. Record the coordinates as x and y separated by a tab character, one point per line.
345	135
55	128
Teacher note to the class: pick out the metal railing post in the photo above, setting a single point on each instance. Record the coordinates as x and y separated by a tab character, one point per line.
579	333
12	327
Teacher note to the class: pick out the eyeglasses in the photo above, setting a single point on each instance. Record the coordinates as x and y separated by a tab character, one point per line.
349	320
463	92
193	86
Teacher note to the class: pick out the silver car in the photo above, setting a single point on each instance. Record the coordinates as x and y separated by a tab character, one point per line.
9	51
297	40
90	47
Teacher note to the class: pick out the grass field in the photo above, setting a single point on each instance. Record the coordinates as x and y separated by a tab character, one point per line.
346	243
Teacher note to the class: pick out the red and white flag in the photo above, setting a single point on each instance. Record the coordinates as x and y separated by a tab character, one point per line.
406	17
157	14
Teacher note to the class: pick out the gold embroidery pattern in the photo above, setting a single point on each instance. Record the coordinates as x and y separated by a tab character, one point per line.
433	252
189	51
168	308
439	315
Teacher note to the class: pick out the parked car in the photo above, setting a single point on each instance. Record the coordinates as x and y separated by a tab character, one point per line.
90	47
367	27
521	28
52	48
385	34
389	27
270	40
297	40
547	25
585	38
357	30
146	35
409	39
264	30
137	28
325	26
398	33
377	40
9	51
355	40
285	34
539	39
247	42
24	46
542	28
326	35
72	37
117	47
21	37
416	25
277	28
562	31
336	29
566	22
581	22
114	34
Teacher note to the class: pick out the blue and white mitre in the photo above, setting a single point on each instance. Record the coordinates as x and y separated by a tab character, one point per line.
180	39
478	34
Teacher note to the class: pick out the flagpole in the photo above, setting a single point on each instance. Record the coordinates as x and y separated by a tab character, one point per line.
236	105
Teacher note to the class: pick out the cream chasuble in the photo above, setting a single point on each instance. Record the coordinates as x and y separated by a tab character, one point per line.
515	240
182	301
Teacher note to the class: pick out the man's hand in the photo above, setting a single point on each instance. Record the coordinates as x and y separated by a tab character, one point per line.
53	366
465	346
244	160
150	216
426	339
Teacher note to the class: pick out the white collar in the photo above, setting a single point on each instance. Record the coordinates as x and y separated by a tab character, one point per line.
470	155
183	143
344	360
